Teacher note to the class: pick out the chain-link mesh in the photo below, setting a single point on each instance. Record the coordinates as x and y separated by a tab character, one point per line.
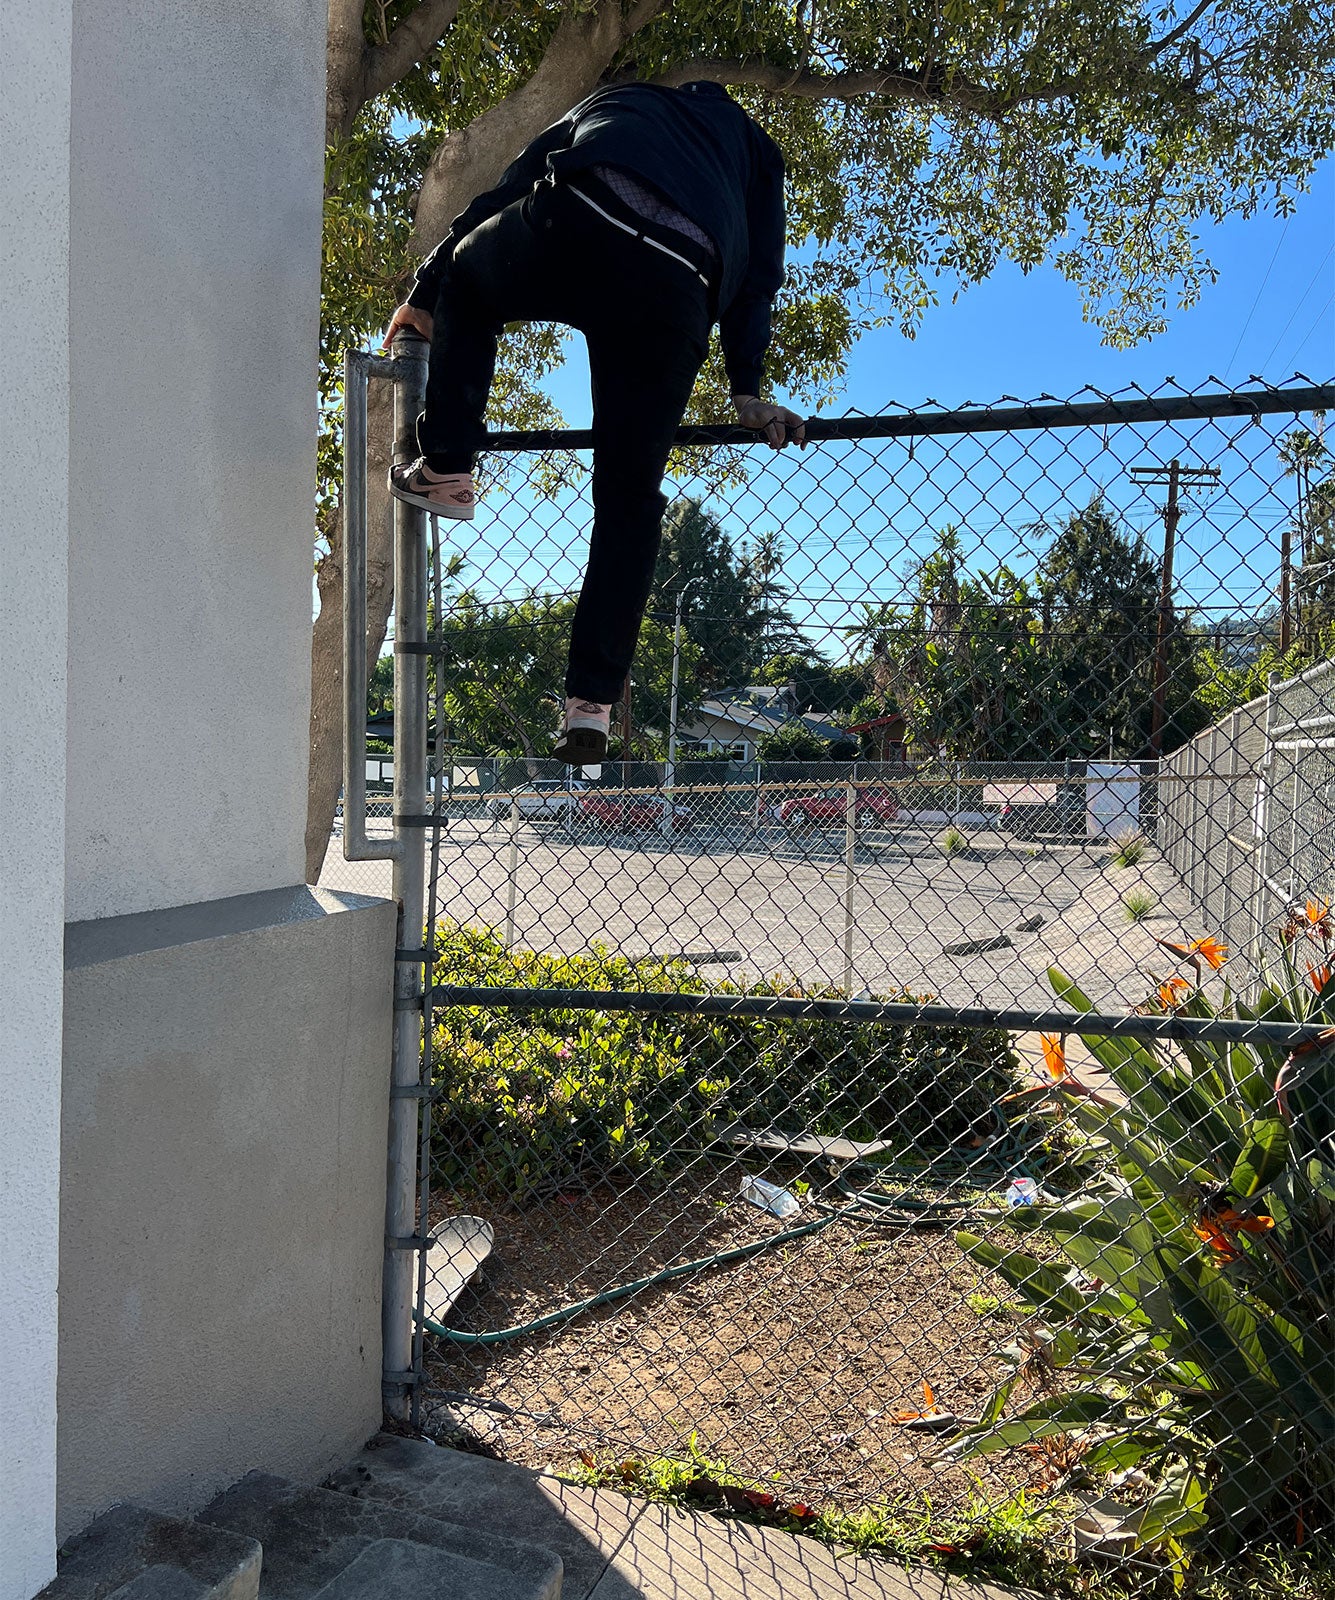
810	1192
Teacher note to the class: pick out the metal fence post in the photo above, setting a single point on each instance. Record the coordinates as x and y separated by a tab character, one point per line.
512	872
850	858
409	886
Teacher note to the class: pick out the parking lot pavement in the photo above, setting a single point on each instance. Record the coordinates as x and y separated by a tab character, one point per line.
779	901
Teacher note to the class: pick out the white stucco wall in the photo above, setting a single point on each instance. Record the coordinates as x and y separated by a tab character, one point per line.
34	398
195	214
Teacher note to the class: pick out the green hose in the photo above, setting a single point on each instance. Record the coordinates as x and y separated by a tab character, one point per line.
867	1206
738	1253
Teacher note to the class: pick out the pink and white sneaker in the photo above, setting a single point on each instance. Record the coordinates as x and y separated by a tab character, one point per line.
444	494
583	740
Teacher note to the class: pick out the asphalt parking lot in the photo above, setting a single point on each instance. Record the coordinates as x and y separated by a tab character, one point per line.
762	901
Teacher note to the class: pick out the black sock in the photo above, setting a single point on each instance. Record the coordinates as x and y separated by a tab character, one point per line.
455	463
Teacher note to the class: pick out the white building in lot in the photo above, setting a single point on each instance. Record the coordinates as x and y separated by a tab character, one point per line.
193	1044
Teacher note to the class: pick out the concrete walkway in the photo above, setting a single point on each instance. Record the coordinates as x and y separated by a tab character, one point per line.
615	1547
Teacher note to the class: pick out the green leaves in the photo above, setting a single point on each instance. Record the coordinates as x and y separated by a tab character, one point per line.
1263	1158
1204	1355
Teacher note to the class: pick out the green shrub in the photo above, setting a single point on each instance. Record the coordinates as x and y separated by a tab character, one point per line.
1129	848
1189	1331
533	1099
1137	904
951	842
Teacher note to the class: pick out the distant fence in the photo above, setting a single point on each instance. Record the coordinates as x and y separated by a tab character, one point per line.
1246	809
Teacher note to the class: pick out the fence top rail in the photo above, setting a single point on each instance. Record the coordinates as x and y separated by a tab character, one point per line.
1132	1025
1106	411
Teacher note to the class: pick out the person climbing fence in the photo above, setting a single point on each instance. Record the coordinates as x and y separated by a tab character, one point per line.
641	219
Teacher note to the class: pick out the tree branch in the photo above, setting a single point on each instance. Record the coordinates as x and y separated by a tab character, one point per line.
470	160
935	89
419	31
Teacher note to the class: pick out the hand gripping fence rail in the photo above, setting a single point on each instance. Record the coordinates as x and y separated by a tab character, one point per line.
894	1096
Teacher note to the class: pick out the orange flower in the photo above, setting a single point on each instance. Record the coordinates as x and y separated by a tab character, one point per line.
1169	990
1220	1226
1054	1055
1318	977
1319	918
1208	949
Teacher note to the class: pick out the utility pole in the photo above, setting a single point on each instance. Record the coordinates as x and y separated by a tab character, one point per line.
1174	475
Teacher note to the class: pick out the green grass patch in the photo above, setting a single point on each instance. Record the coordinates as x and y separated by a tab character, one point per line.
1139	904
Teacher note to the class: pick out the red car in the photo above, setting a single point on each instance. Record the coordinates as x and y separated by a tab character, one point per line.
641	815
874	808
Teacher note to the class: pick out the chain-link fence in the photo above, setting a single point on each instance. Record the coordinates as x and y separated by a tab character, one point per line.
892	1087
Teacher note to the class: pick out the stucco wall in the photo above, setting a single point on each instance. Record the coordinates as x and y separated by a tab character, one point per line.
34	397
197	139
222	1189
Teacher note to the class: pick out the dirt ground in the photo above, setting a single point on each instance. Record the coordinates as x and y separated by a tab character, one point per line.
790	1365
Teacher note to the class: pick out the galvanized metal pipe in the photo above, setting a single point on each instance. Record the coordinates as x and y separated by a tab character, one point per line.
850	877
1132	1026
357	845
410	625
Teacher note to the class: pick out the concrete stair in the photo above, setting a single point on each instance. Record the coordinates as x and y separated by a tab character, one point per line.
406	1520
320	1543
132	1554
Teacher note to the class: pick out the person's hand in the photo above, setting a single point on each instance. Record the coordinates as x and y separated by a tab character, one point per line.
777	423
411	319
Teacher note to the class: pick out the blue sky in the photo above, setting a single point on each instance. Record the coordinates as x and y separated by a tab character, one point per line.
851	516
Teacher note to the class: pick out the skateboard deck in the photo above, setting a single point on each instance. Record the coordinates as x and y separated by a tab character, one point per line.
458	1247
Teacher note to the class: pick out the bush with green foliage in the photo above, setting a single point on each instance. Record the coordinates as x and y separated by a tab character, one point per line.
558	1097
1183	1298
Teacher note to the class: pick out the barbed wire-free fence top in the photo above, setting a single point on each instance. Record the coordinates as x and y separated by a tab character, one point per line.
896	1083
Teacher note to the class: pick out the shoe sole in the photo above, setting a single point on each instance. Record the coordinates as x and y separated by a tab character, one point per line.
459	513
581	757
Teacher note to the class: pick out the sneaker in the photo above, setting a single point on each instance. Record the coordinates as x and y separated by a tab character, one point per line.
445	494
583	740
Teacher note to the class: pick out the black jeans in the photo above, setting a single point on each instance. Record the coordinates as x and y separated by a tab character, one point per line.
646	319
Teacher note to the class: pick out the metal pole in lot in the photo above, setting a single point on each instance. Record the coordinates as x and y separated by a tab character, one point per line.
850	852
410	612
512	873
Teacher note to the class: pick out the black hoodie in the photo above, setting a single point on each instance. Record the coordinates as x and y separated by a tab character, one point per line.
699	149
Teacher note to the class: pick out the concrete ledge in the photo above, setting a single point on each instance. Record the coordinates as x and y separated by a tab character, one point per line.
224	1113
114	938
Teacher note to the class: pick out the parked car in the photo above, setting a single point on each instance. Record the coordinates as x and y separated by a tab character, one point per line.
542	800
609	813
1038	811
826	809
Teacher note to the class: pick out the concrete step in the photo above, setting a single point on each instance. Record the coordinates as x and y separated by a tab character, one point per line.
582	1526
340	1547
133	1554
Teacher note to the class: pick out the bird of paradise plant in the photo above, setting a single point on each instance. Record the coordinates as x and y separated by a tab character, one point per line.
1184	1294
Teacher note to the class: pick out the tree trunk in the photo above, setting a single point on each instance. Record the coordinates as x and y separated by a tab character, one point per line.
325	776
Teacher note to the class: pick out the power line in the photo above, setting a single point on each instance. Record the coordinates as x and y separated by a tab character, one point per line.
1259	293
1297	308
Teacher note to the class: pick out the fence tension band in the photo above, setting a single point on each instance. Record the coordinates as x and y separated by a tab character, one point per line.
408	1002
417	957
414	1091
412	1242
1284	1034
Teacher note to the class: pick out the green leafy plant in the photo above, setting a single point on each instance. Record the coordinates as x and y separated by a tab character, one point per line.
1182	1297
1129	848
951	842
560	1096
1138	904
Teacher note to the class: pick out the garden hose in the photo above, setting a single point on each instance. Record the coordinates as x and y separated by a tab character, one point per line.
866	1206
552	1318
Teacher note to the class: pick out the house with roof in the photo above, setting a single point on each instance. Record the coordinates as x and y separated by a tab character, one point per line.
732	722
